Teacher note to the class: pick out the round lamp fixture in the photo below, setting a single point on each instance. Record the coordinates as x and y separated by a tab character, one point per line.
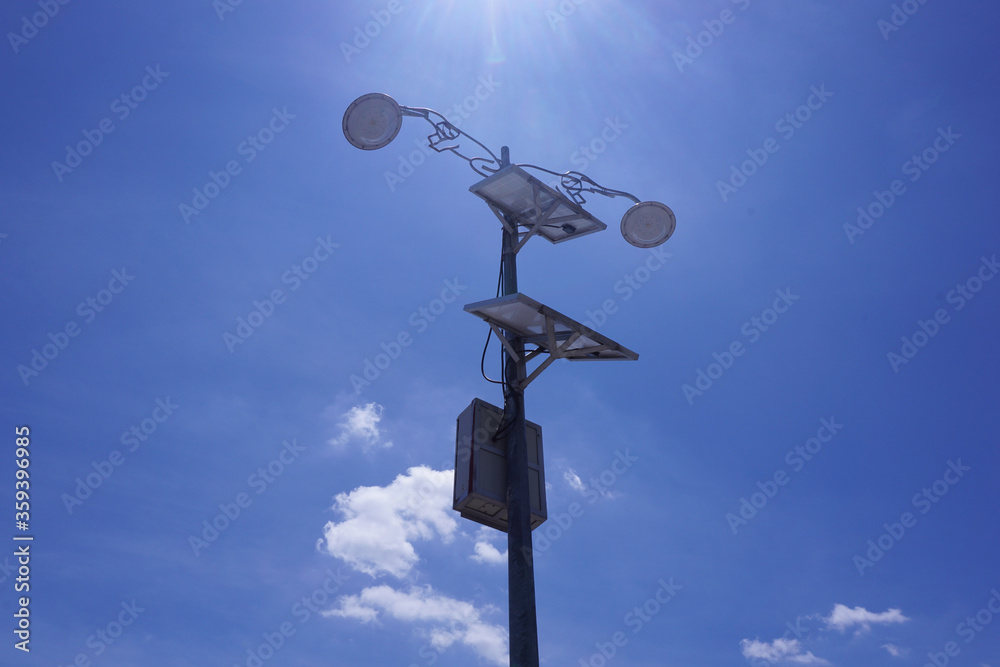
372	121
648	224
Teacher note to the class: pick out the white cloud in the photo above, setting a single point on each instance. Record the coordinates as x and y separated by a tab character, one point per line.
445	620
784	650
361	423
779	650
895	651
578	485
487	553
574	480
844	617
380	522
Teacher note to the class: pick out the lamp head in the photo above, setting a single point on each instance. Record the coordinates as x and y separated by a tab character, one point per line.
372	121
648	224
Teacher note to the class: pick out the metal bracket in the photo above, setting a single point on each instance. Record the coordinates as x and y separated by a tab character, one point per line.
554	349
535	223
503	220
540	217
506	343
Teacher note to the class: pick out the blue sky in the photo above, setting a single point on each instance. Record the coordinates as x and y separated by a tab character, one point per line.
800	468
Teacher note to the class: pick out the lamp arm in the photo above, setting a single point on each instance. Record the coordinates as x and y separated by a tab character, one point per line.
573	182
445	131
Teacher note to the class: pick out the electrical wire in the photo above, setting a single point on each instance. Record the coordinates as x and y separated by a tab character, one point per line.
500	432
482	361
572	182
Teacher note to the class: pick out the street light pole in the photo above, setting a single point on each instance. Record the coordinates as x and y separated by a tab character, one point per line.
371	122
520	566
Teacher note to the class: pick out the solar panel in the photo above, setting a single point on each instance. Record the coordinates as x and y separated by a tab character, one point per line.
537	324
531	203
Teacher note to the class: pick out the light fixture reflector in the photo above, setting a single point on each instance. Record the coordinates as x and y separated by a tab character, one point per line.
372	121
648	224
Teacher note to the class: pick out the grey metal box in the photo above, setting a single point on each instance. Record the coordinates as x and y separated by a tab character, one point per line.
481	468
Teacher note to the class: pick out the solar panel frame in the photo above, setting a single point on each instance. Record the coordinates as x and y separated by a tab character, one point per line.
528	319
525	199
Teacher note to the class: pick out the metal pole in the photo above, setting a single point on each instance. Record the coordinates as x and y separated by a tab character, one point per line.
520	567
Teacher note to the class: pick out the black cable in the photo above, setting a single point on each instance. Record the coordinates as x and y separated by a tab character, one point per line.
502	432
482	360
